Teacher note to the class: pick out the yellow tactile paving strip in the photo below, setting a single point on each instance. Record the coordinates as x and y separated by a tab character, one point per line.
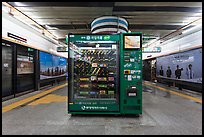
49	99
29	99
176	93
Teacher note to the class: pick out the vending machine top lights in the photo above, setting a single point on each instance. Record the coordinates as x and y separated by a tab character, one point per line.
105	74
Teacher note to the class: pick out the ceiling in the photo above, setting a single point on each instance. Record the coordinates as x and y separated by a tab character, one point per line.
153	19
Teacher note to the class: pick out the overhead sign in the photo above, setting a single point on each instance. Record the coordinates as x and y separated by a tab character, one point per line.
62	49
106	37
30	49
93	37
151	49
17	37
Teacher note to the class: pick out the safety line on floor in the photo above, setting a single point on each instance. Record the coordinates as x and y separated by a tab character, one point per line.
176	93
30	99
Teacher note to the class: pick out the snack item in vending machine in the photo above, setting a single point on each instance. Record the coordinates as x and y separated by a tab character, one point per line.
84	79
110	78
110	92
102	79
102	92
93	78
94	65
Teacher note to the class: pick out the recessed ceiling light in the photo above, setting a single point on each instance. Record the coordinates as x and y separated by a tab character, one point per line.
198	14
19	4
51	28
193	28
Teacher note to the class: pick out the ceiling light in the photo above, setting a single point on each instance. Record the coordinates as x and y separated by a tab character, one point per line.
198	14
193	18
19	4
51	28
23	18
193	28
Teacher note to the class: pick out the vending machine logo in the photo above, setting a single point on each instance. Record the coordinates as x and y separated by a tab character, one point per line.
83	107
107	37
93	107
88	37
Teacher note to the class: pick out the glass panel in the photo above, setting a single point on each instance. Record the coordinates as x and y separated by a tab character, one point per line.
25	68
94	70
6	69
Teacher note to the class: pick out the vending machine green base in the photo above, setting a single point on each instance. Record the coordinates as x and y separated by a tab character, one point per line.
105	74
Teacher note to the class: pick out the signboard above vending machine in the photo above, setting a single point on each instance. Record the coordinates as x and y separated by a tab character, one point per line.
151	49
92	37
62	49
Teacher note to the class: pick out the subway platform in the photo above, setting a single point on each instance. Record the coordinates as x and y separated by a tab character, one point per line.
166	111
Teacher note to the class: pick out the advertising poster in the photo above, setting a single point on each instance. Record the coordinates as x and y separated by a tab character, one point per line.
186	66
59	66
132	42
46	69
52	66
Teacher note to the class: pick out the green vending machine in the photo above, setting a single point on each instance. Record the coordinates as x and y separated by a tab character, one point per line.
105	73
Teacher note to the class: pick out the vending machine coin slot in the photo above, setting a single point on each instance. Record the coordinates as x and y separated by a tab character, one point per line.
131	91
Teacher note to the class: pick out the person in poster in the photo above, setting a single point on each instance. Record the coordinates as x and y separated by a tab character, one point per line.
161	72
178	72
189	72
168	74
178	75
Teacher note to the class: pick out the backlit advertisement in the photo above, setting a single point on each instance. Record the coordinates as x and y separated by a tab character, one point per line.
185	66
52	66
59	66
132	42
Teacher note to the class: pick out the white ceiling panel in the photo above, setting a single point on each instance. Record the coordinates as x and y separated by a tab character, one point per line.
183	14
163	14
176	4
64	9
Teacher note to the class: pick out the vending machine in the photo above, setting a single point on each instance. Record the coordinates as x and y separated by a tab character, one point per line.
105	73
